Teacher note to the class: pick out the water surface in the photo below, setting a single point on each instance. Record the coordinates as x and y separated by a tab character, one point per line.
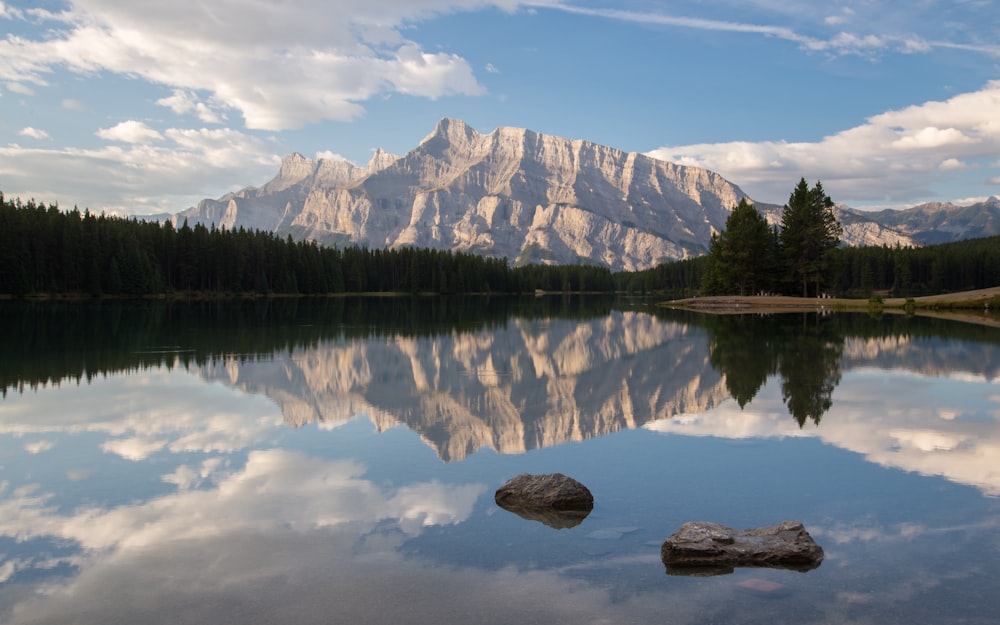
335	461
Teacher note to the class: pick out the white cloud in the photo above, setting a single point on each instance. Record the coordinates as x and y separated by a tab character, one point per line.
186	477
835	43
329	155
38	446
183	167
695	23
34	133
74	105
130	131
9	12
952	164
8	567
23	89
281	66
878	159
843	17
182	102
931	137
132	448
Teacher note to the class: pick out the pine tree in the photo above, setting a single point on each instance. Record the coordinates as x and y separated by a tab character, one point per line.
740	256
809	231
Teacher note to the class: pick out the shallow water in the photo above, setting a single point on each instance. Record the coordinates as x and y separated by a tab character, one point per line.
317	462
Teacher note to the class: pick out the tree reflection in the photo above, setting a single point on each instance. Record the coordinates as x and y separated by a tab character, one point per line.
742	348
810	369
77	340
804	350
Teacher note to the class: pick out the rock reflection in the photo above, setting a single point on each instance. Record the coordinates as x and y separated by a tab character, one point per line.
556	519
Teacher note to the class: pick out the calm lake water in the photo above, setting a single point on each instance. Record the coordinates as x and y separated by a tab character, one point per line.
334	461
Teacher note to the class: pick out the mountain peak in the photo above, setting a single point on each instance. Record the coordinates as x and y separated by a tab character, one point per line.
381	160
449	132
295	167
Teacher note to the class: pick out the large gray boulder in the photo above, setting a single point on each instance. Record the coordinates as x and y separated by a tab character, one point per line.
553	499
703	548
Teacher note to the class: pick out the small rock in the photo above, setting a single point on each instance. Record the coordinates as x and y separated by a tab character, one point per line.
553	499
706	546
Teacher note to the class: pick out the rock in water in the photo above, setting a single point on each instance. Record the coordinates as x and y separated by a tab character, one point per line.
703	546
553	499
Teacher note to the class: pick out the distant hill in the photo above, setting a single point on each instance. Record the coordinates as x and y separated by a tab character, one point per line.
938	222
529	197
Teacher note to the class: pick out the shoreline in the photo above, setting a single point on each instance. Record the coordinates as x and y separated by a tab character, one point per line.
979	306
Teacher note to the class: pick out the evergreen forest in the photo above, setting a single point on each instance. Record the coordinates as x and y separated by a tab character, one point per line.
44	250
47	251
802	256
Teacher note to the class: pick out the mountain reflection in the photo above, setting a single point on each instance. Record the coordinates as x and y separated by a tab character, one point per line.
507	374
531	383
540	382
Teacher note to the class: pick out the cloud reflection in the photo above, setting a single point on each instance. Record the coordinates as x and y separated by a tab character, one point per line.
281	511
141	414
275	488
908	431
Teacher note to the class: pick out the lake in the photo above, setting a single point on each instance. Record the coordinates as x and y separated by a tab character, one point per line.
334	461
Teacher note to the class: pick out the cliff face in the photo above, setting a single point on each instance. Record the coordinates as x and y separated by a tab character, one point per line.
511	193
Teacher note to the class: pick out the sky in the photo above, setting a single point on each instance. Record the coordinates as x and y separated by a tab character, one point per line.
147	106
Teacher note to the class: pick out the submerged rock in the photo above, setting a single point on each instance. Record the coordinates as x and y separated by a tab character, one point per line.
553	499
701	548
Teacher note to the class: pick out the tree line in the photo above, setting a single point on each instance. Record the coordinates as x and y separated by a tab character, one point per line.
750	256
802	256
46	250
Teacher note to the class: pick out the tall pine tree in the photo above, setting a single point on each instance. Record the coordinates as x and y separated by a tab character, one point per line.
809	231
741	257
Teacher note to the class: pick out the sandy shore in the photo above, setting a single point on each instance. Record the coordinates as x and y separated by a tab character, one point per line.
966	305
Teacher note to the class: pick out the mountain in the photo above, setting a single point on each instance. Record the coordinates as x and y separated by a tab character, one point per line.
861	229
535	198
511	193
938	222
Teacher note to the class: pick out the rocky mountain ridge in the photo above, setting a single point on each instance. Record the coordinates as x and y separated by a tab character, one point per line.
512	193
944	222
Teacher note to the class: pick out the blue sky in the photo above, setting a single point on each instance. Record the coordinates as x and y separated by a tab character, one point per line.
148	106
